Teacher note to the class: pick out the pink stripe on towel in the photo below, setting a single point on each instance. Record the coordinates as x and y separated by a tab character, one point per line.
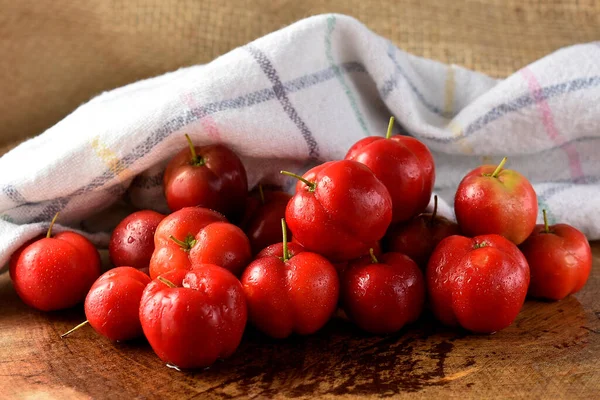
550	126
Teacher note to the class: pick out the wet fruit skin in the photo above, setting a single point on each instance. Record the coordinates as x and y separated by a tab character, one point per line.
200	320
344	211
261	222
418	237
382	297
216	179
277	250
505	205
132	241
113	302
223	244
55	273
478	283
560	260
298	295
182	224
194	236
404	165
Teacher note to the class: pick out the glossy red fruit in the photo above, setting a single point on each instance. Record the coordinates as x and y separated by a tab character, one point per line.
261	222
209	176
14	258
340	267
340	210
113	303
495	200
291	294
222	244
277	250
183	225
55	273
479	283
560	260
383	294
192	318
132	241
404	165
418	237
195	235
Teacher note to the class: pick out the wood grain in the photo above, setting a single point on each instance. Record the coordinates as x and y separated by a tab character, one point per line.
551	351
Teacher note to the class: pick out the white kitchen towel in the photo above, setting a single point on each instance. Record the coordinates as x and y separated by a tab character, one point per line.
304	95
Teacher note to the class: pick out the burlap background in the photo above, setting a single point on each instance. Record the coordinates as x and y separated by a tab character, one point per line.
56	54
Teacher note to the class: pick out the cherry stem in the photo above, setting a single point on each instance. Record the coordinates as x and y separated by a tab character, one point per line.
499	167
49	233
311	185
373	258
84	323
166	282
546	227
181	243
390	127
286	253
197	161
261	193
192	148
434	213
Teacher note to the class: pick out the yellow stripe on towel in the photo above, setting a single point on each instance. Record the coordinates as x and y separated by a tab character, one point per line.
109	158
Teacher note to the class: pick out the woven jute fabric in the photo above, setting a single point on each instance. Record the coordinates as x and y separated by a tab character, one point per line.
56	54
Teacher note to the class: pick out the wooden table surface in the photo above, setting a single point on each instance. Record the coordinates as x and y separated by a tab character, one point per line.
551	351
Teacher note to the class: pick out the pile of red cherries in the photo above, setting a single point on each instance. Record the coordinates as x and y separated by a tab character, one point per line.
354	236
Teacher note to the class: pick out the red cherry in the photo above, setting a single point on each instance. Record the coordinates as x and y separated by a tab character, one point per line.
340	267
132	241
382	294
222	244
262	219
199	236
276	250
340	210
55	273
418	237
192	318
404	165
209	176
288	295
479	283
183	224
113	302
14	258
495	200
560	260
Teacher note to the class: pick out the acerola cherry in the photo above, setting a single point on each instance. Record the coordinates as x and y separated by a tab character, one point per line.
132	241
113	303
54	273
222	244
198	236
209	176
192	318
479	283
383	294
560	260
261	222
404	165
276	250
418	237
495	200
291	294
183	225
340	210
